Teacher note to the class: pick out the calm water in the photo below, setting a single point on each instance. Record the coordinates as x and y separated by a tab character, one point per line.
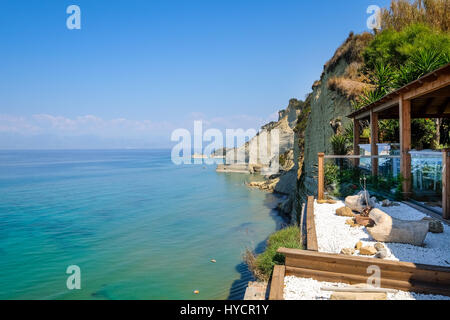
138	226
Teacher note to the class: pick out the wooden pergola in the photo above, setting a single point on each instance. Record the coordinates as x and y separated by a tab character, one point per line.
427	97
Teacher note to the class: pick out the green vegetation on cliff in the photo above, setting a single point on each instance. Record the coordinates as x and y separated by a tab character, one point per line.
263	264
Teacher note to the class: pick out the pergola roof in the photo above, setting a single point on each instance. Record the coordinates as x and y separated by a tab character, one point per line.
429	96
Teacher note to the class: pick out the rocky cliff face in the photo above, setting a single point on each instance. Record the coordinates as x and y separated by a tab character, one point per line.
285	126
327	107
307	127
285	182
330	106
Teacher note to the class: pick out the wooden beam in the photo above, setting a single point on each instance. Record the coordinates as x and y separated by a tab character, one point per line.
363	115
311	236
441	81
444	106
393	103
405	145
446	184
354	270
356	138
374	141
277	284
321	177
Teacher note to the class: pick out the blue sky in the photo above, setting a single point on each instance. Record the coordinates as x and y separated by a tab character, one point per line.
139	69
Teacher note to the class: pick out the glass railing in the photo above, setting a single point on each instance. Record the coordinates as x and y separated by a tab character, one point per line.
426	177
345	175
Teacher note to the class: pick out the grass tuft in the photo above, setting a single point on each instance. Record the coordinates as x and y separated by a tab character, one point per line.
263	264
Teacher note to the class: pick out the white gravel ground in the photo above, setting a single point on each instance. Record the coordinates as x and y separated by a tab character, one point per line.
309	289
333	235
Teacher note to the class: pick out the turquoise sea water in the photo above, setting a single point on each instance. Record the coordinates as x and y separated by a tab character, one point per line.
138	226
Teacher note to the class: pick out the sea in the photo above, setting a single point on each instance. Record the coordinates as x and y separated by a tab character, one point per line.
135	225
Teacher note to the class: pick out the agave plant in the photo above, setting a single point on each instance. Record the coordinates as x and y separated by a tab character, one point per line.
427	61
371	96
339	144
422	62
348	131
405	75
382	77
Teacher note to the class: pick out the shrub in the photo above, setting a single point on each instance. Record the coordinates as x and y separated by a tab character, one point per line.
331	173
263	264
340	144
419	64
394	48
348	88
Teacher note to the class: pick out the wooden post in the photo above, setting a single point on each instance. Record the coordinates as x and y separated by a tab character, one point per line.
356	137
405	145
321	177
311	234
446	184
374	141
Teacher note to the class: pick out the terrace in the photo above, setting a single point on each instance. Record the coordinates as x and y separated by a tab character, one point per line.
341	251
425	174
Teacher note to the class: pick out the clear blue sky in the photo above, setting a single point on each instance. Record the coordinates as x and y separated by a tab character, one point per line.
138	69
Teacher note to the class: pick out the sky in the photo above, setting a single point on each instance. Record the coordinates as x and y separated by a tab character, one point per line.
137	70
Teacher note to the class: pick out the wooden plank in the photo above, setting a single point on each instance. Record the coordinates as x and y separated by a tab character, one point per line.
356	259
441	81
405	145
355	289
311	236
374	141
362	115
277	284
354	269
256	291
446	184
329	276
321	177
392	272
392	103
